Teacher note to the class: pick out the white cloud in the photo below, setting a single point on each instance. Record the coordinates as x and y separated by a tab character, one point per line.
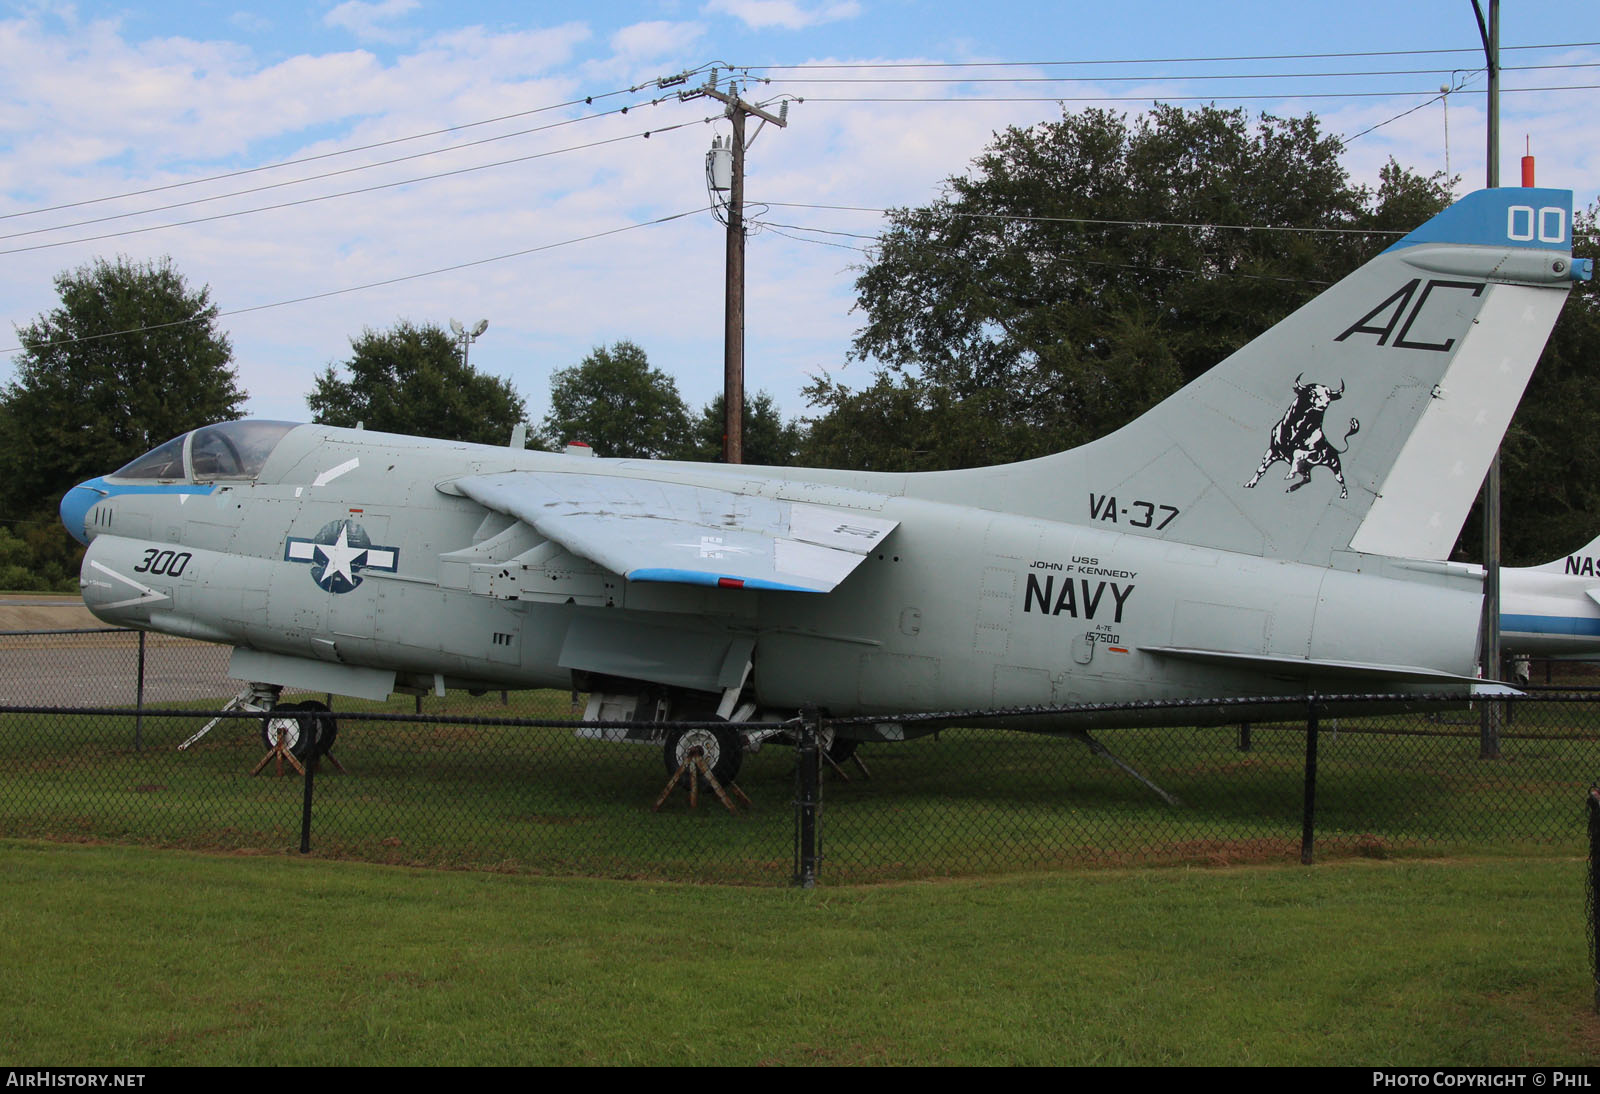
785	14
644	41
87	111
250	22
367	20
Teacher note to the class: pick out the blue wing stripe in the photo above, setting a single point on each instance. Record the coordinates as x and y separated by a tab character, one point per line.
697	577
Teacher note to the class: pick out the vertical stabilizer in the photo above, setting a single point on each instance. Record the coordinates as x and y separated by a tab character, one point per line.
1364	421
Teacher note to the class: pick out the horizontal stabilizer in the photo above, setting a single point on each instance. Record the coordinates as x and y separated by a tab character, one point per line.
648	530
1493	689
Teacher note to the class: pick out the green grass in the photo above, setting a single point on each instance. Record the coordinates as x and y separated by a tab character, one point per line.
970	802
133	957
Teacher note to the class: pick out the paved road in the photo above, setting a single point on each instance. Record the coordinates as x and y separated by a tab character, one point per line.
102	670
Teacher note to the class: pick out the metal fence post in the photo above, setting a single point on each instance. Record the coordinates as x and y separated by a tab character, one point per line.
1308	820
1489	718
808	794
138	701
1592	904
314	728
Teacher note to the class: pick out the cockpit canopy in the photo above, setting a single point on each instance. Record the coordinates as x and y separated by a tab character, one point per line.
228	450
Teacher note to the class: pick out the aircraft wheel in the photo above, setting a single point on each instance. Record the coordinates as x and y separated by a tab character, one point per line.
722	748
328	727
290	722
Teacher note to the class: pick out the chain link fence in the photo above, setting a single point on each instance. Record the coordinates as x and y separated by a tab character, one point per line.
506	782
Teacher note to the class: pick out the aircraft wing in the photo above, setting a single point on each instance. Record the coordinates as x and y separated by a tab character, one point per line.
649	530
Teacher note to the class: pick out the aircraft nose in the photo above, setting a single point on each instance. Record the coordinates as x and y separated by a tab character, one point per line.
75	506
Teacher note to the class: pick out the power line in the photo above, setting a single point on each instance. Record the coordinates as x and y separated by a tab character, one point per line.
327	174
775	229
1277	97
1474	50
1169	270
348	193
587	100
1429	102
1097	221
1143	78
1176	77
360	288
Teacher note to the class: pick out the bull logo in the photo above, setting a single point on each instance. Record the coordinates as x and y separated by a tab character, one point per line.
1299	441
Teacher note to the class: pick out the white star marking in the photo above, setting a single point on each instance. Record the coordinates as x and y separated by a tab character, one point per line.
340	557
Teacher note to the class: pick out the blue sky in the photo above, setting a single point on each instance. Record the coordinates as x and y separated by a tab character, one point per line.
102	100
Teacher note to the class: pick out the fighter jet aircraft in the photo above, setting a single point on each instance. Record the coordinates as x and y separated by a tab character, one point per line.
1279	524
1552	610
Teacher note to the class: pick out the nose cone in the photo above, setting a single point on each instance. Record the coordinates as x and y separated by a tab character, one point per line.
75	506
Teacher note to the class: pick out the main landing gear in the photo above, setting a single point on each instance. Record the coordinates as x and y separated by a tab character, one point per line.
709	754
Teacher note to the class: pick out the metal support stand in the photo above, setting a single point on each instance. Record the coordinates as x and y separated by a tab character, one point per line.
1101	750
279	751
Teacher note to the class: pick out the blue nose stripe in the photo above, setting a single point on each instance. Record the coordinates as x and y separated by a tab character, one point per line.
77	502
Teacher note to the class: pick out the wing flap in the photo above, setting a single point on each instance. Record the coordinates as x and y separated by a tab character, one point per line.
650	530
1309	667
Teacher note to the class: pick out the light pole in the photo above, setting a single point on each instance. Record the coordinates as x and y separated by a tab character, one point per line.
466	337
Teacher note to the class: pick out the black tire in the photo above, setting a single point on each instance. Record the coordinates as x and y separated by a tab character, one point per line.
294	720
842	749
327	727
723	748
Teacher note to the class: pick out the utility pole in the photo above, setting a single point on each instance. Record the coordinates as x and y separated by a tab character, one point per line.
733	328
1489	721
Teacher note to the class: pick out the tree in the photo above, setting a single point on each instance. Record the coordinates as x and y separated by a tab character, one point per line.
130	358
412	380
899	423
1086	268
616	403
768	439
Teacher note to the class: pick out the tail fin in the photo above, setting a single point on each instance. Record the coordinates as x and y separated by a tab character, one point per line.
1364	421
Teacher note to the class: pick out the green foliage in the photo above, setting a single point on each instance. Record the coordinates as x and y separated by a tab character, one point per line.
616	403
1087	268
768	439
130	358
412	380
900	423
